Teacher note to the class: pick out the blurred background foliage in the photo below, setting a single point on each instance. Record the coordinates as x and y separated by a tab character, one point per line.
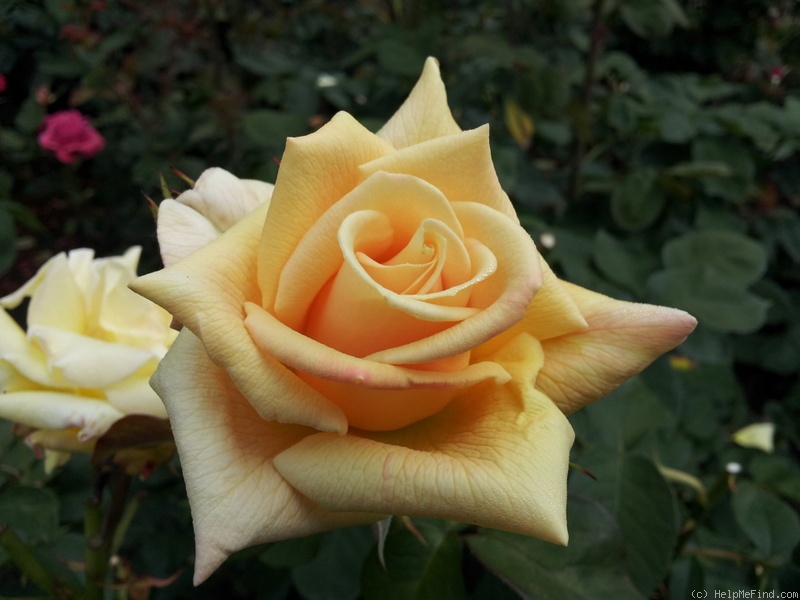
652	148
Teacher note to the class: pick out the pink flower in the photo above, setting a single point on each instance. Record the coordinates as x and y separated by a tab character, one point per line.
70	136
3	83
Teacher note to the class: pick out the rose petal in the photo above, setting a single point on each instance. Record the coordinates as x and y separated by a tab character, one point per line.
316	172
87	362
405	200
372	395
459	165
424	115
69	313
25	358
135	396
181	230
54	410
223	198
552	313
496	456
504	297
237	497
207	291
621	340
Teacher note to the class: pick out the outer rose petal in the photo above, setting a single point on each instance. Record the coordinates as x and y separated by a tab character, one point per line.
424	115
207	291
316	172
459	165
621	340
182	230
238	499
372	395
55	410
496	456
217	201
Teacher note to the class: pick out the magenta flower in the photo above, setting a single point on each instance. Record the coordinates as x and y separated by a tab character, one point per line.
3	83
70	136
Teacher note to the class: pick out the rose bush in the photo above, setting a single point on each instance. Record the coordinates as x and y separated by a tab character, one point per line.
69	135
198	216
90	348
384	338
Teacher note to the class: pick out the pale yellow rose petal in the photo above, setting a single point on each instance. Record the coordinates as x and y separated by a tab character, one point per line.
504	297
87	362
181	230
59	301
207	291
496	456
424	115
22	357
405	200
53	410
237	497
460	166
621	340
316	171
59	440
135	396
372	395
121	316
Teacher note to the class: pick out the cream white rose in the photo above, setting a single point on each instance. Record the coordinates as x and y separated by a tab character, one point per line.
90	348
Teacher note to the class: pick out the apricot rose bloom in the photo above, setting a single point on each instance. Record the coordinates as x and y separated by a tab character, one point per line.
384	338
90	348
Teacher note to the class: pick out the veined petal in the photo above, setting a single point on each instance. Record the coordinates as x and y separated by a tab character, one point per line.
54	410
496	456
504	297
316	172
372	395
237	497
621	340
459	165
424	115
206	291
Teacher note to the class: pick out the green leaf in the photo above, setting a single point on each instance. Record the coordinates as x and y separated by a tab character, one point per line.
652	18
270	128
697	168
738	158
632	488
416	570
31	512
591	567
770	523
335	572
716	301
626	416
292	552
627	264
735	257
638	201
